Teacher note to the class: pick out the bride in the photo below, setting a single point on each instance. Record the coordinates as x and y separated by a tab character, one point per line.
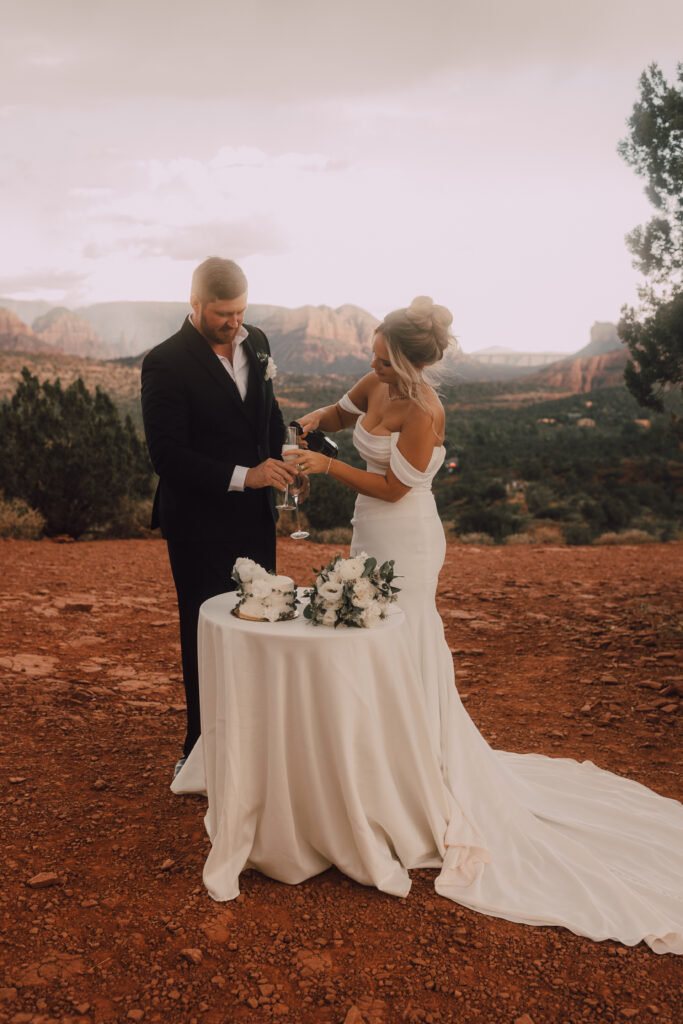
533	839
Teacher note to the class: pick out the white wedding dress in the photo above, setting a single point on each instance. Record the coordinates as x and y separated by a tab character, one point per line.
530	838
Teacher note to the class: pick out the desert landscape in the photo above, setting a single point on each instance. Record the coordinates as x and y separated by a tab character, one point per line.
569	651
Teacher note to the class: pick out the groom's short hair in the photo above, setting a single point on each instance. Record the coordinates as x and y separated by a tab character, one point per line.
217	278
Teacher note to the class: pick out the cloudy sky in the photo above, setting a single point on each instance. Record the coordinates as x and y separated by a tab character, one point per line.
363	151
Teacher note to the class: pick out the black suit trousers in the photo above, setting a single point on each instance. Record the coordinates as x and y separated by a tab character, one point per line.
202	569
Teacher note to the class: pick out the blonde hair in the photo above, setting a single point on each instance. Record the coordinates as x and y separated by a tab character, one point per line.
416	337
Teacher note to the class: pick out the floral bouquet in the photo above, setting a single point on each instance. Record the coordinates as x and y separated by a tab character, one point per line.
351	592
262	594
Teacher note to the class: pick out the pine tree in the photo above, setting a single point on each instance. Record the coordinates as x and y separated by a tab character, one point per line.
67	453
654	148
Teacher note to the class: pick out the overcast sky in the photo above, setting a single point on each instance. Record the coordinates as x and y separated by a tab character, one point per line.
361	152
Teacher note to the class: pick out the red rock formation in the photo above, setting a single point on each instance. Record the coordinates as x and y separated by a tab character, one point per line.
70	333
16	336
318	338
575	376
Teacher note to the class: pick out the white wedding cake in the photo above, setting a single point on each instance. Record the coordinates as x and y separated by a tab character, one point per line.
262	595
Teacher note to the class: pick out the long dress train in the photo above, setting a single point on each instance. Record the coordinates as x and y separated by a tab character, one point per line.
530	838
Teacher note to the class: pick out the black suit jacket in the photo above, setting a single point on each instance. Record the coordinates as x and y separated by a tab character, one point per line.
198	429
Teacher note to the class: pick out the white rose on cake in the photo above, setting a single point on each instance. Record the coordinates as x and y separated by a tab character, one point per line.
245	570
263	595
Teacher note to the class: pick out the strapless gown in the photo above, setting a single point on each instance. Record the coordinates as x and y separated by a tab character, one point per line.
530	838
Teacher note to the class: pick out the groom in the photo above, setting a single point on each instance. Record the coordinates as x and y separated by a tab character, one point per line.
214	432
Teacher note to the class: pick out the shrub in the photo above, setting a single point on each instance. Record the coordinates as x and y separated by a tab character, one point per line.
577	533
131	519
337	535
19	521
538	496
557	512
494	492
627	537
476	538
496	520
329	504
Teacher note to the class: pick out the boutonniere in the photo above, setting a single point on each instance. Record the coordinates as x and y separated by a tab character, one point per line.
268	364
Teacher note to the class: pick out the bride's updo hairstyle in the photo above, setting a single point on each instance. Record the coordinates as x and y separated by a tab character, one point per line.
416	337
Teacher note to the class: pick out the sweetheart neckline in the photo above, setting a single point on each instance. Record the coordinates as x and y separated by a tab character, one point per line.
359	423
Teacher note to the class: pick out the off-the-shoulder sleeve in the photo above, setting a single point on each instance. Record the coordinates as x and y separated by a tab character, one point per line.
403	470
347	405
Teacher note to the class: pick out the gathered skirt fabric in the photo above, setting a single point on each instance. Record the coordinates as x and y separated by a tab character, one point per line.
530	838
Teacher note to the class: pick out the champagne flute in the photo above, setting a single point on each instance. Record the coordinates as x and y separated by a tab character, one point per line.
290	444
298	534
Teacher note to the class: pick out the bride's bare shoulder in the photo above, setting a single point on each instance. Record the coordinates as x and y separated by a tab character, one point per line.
429	416
362	390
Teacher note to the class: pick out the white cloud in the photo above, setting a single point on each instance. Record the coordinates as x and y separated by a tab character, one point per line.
360	153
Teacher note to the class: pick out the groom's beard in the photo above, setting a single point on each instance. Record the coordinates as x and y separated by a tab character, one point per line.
218	336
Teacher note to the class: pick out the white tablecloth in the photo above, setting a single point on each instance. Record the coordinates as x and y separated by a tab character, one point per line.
315	751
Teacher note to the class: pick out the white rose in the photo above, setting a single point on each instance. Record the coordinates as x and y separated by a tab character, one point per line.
351	568
372	615
271	369
330	617
363	593
248	570
331	592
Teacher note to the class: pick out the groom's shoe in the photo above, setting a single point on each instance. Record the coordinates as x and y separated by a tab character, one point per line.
179	765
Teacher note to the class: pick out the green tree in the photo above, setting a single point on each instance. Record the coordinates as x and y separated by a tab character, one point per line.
654	148
67	453
656	345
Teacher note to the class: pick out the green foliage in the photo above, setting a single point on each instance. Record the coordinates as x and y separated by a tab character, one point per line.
19	521
68	455
654	148
577	533
608	477
518	473
496	520
329	504
656	346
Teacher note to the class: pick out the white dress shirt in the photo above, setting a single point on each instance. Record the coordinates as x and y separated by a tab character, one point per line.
238	369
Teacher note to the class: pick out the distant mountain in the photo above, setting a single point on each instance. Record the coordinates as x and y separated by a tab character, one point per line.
310	339
319	339
499	355
72	334
306	340
604	338
578	375
131	328
16	336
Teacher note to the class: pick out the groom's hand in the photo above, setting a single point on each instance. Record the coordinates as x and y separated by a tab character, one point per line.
271	473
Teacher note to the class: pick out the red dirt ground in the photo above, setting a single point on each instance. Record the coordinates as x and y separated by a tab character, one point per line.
567	651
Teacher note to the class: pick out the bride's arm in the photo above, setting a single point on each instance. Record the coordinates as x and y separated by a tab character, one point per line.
415	444
332	417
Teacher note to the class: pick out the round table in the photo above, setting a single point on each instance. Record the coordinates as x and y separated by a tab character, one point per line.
315	750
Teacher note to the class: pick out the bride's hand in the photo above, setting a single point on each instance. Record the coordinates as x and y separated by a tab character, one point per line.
312	462
311	421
